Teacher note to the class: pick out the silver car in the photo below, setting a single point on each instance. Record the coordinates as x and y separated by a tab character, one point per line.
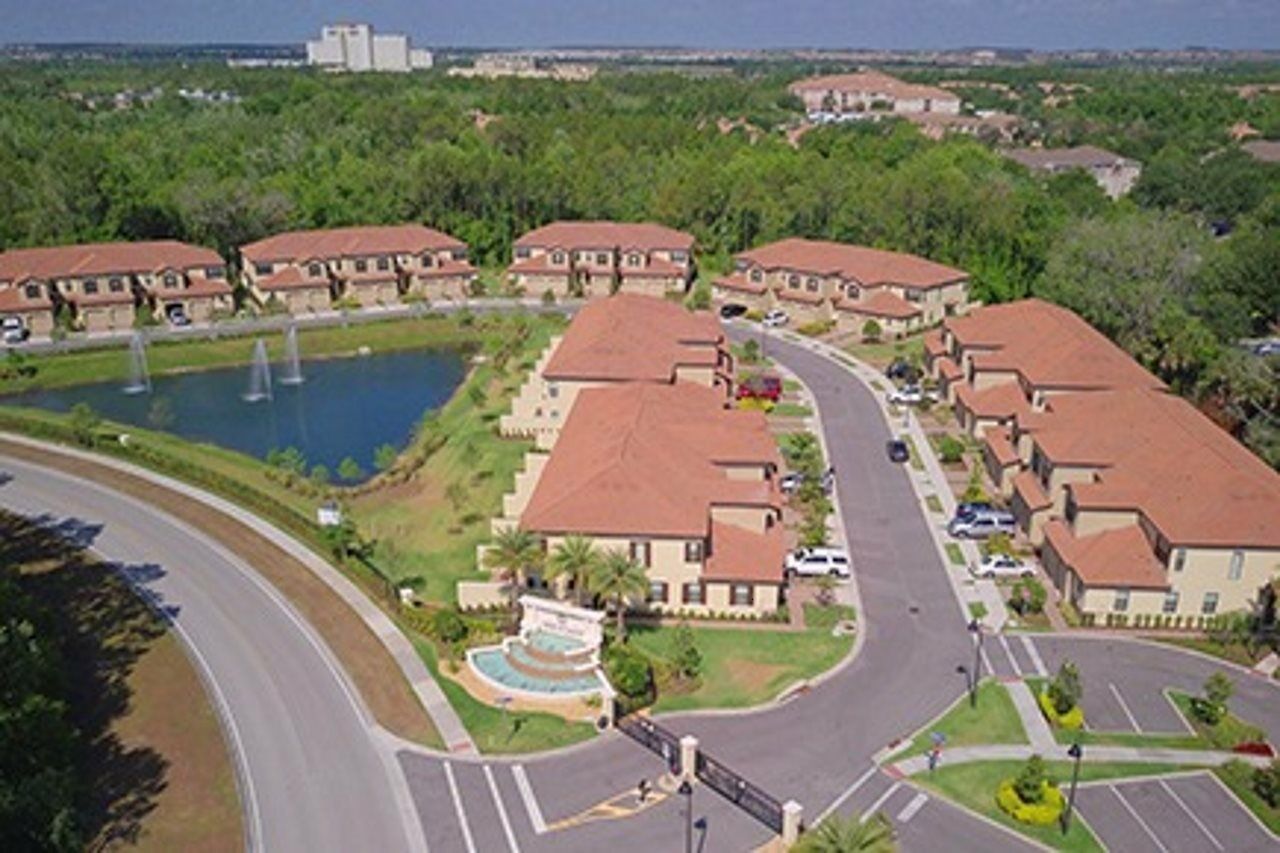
980	525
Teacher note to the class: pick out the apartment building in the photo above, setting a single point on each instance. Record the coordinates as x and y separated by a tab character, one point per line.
102	284
355	47
818	281
367	265
590	259
870	93
622	339
673	476
1116	175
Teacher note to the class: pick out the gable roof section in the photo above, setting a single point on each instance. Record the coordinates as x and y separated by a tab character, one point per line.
604	234
103	259
359	240
870	267
872	82
1079	157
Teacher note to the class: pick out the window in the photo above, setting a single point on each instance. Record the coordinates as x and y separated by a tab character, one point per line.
1210	604
1179	559
641	553
314	271
602	259
427	259
793	281
742	595
853	291
170	279
557	258
384	264
113	281
657	592
1236	568
1071	509
362	265
90	286
912	294
757	276
812	285
679	257
32	291
458	254
1171	601
553	390
1121	604
521	254
693	551
262	269
691	593
633	260
215	272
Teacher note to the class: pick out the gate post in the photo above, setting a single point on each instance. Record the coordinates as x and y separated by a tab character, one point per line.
689	758
792	812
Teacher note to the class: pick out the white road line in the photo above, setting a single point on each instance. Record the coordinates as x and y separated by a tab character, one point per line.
1142	823
1125	707
457	806
530	803
875	807
1194	817
1035	656
502	810
848	792
986	662
916	804
1013	662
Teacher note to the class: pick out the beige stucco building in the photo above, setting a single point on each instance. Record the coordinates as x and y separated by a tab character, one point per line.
363	265
1116	175
822	281
590	259
871	93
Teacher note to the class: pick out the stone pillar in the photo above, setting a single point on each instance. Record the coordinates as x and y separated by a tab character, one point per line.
688	758
792	813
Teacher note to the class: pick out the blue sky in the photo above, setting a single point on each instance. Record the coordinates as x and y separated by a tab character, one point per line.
692	23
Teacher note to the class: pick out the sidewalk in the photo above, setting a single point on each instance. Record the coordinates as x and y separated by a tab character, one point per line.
1033	722
1092	754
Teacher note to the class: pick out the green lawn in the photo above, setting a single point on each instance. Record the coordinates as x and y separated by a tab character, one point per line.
977	610
917	461
745	666
1230	731
955	554
1233	652
791	410
498	731
934	503
791	386
1238	776
881	353
993	720
974	787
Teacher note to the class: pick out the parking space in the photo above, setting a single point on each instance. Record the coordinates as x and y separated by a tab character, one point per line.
1178	814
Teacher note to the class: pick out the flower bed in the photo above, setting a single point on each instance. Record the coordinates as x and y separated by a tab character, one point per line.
1073	720
1044	813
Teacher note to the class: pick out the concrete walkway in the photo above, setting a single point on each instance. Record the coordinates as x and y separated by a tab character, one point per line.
1033	722
424	686
1092	754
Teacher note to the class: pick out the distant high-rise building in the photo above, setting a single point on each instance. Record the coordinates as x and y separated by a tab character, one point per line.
355	47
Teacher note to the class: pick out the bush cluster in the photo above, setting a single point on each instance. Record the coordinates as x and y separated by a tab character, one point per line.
1072	720
1044	812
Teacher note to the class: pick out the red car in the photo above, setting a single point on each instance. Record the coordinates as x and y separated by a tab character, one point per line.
760	388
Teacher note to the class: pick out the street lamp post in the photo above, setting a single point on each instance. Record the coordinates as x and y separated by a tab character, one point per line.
975	628
1076	751
686	790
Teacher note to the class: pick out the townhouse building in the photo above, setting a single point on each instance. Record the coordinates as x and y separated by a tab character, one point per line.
676	478
102	284
625	338
1116	175
820	281
369	265
871	93
1144	511
590	259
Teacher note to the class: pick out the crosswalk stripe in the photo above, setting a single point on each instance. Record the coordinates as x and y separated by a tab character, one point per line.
530	802
502	810
457	805
916	804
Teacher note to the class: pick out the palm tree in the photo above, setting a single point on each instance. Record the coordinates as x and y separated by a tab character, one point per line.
840	834
573	558
616	576
513	554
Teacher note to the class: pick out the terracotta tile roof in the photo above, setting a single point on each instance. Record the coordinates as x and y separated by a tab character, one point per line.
538	264
360	240
1027	487
643	460
804	296
292	278
999	401
933	345
1000	446
200	286
603	234
948	369
738	281
872	82
1047	345
445	269
1113	558
1156	454
655	268
738	554
867	266
1079	157
103	259
880	303
13	299
629	337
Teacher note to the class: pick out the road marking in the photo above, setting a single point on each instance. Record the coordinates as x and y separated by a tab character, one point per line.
1035	656
875	807
1125	707
502	810
457	806
1013	662
848	792
916	804
1142	823
530	803
1194	817
986	661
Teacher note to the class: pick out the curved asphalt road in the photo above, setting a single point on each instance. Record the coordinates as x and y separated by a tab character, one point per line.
315	772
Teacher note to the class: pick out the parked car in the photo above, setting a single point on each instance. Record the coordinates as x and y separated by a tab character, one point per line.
1001	566
898	451
902	369
760	387
790	483
911	395
1267	348
776	317
818	562
732	309
178	317
13	331
981	525
972	507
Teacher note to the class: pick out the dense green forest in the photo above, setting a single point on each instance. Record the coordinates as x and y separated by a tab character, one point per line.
488	160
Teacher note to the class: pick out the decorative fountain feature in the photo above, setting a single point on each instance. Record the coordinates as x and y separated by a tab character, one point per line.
556	654
259	375
292	364
139	375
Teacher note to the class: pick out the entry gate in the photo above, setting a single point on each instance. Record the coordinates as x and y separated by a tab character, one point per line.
746	796
653	737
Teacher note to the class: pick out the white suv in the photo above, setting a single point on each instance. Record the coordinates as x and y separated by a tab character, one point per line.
776	317
817	562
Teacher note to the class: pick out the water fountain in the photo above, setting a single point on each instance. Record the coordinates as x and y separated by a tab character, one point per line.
259	375
139	375
292	365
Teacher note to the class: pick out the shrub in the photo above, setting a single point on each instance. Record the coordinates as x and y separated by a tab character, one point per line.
1046	812
385	456
816	328
630	672
688	659
548	297
1266	784
1065	691
84	423
950	449
871	331
1072	720
447	626
755	404
1029	596
1029	783
750	351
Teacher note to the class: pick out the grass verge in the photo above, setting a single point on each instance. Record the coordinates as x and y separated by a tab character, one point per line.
934	503
955	554
791	410
1230	731
994	719
1238	776
1237	653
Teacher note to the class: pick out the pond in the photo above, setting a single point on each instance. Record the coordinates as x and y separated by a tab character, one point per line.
344	407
